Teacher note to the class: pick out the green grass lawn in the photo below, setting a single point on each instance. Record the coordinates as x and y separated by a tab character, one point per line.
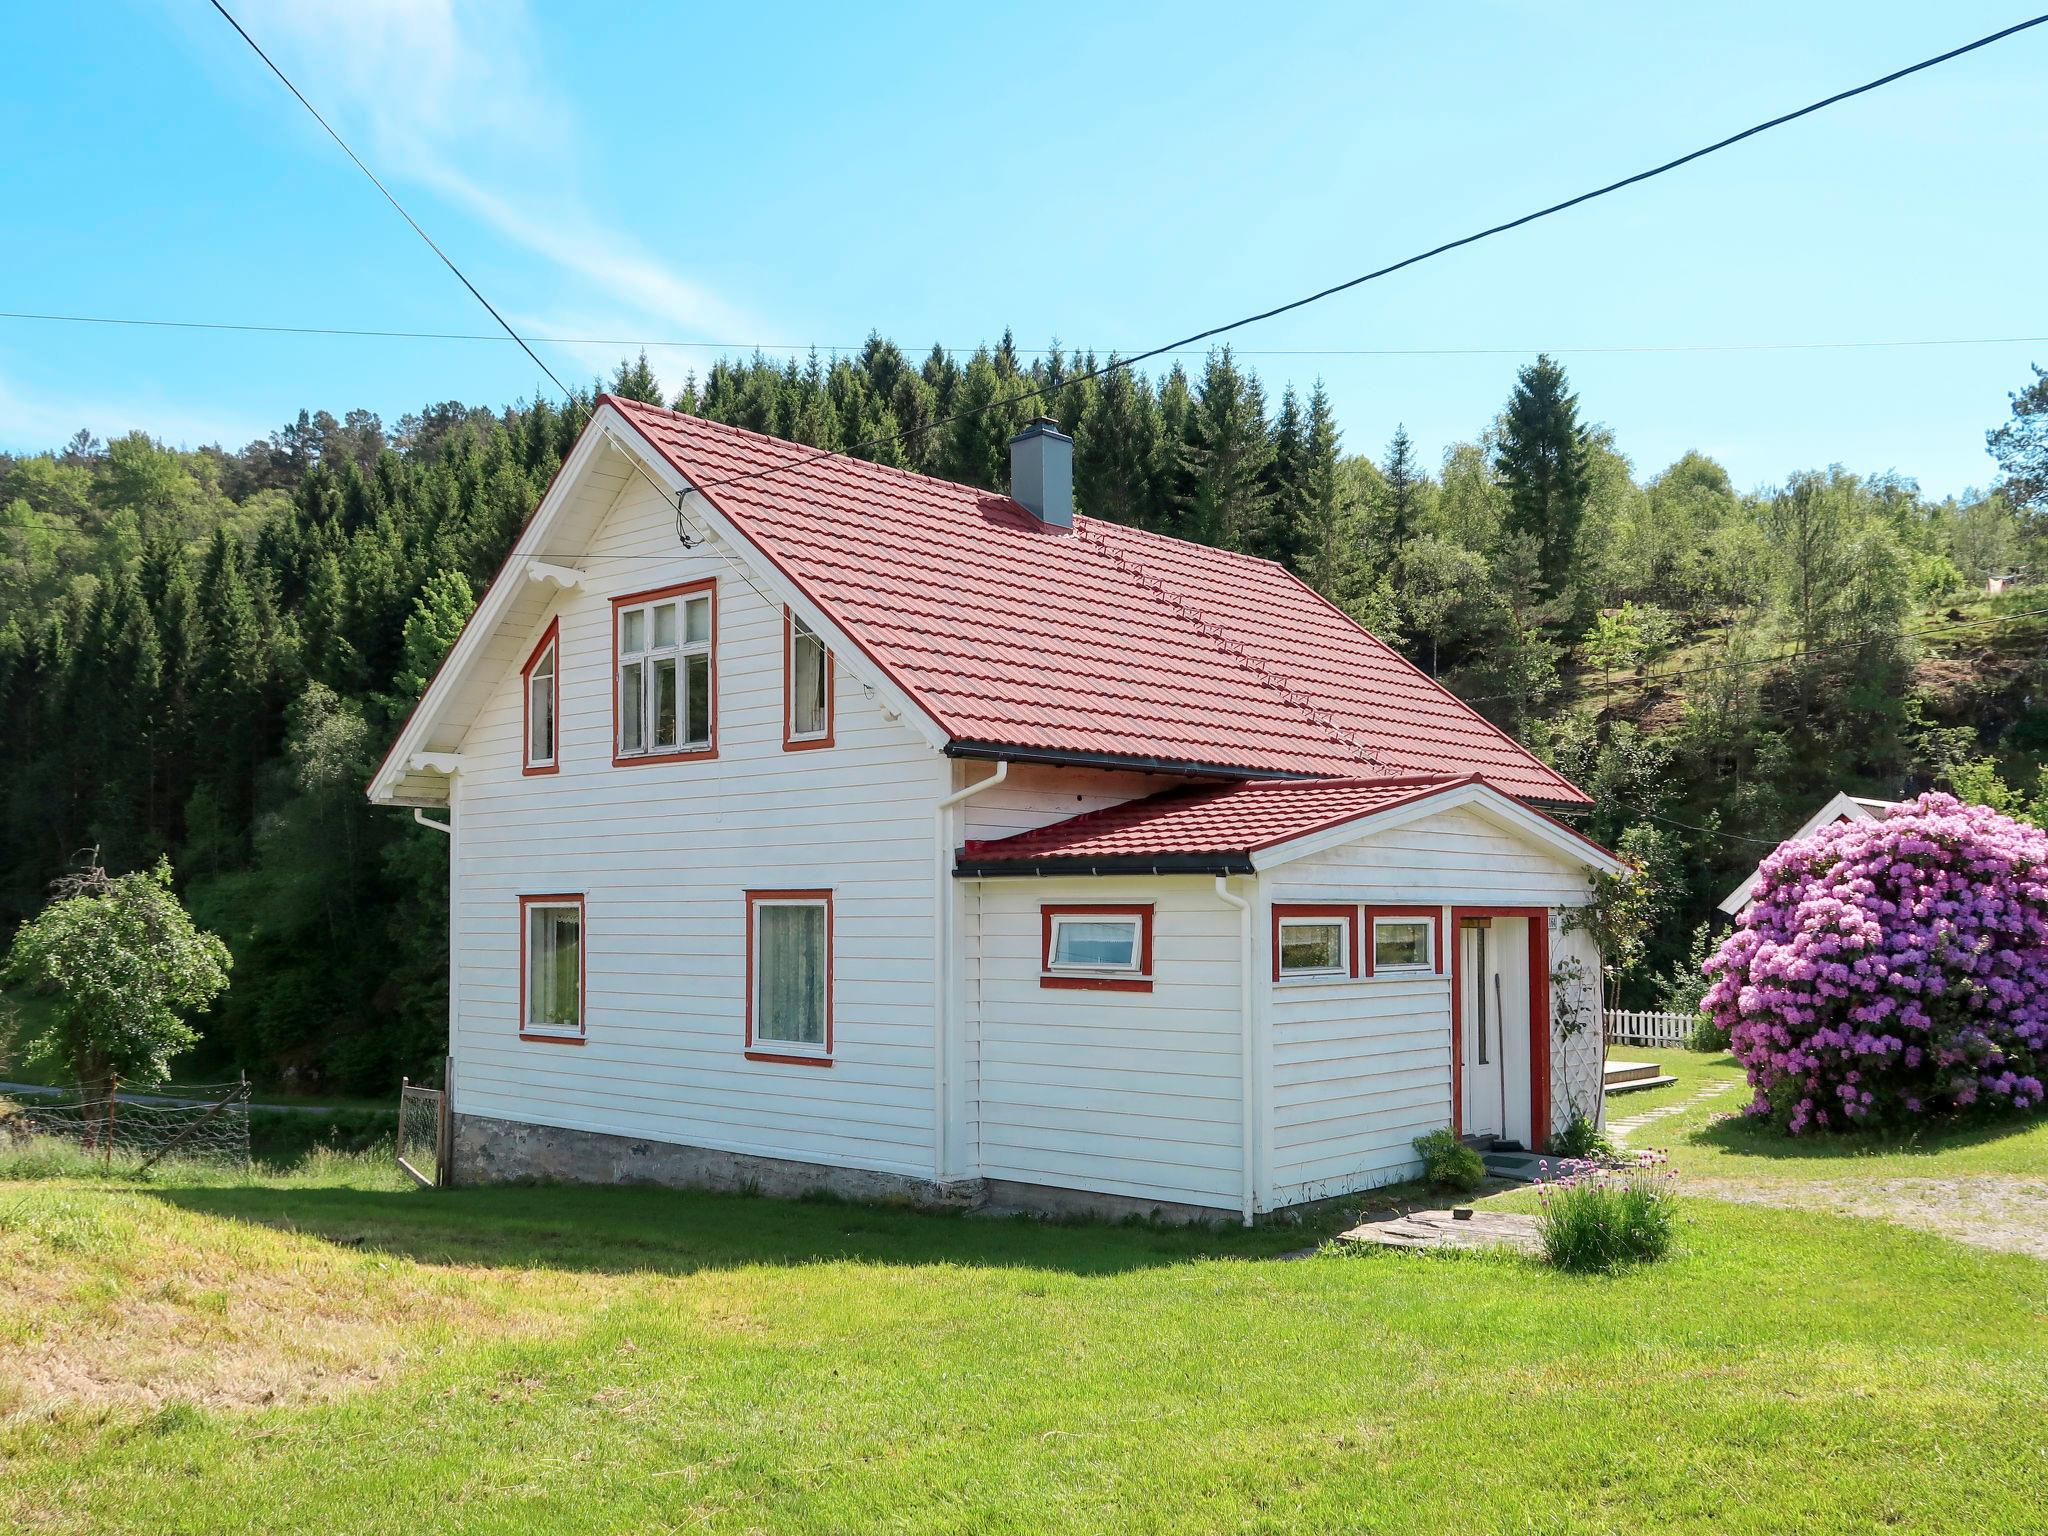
1705	1144
331	1351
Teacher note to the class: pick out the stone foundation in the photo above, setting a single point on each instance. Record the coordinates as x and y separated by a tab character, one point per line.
492	1151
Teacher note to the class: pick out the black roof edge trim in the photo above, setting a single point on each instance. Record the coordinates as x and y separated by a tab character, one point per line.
1127	864
1061	757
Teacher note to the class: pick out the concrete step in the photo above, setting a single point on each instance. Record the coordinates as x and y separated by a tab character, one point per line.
1527	1167
1630	1071
1633	1076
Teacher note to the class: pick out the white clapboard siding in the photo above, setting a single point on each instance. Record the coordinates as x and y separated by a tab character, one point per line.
1455	856
1360	1068
1034	795
663	856
1127	1093
1628	1027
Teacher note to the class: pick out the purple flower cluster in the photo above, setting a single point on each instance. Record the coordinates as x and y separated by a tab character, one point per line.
1893	968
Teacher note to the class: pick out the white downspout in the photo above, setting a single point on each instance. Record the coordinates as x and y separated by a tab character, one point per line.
1244	977
942	949
447	830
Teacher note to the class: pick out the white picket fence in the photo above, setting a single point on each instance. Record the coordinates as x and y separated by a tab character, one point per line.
1627	1027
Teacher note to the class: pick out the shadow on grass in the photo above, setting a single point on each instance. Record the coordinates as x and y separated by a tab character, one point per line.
619	1230
1744	1137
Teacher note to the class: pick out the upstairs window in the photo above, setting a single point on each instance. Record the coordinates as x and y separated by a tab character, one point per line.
1315	943
543	701
1101	947
551	967
666	643
807	686
789	976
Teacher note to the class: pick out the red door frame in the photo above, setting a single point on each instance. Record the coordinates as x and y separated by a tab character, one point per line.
1539	1015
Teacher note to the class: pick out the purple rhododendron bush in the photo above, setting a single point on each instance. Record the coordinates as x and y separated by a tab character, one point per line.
1892	969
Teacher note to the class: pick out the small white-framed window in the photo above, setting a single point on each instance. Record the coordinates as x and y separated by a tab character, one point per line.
1314	947
665	644
1098	946
1403	944
543	702
789	976
807	688
551	972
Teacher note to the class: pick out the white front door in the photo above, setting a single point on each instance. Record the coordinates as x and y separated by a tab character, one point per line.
1482	1004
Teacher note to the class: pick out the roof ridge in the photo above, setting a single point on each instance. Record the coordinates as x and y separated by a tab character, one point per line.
811	453
1200	623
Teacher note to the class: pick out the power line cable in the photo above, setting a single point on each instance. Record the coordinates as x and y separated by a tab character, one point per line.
1408	261
837	348
475	292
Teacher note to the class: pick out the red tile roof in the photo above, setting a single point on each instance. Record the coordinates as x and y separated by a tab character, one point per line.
1104	641
1205	819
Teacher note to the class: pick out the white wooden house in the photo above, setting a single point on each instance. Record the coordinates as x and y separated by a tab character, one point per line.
817	824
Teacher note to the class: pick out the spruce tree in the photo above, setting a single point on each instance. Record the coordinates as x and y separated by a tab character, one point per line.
1228	457
636	381
1543	461
1401	496
1116	451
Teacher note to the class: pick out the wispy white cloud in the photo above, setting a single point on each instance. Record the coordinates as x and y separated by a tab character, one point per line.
32	421
450	96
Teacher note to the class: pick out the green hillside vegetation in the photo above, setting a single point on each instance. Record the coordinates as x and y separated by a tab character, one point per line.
203	653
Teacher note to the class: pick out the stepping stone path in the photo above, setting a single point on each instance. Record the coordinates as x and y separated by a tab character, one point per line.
1444	1229
1623	1128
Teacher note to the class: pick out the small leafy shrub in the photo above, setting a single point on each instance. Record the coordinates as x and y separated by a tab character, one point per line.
1603	1219
1891	970
1709	1036
1581	1139
1447	1163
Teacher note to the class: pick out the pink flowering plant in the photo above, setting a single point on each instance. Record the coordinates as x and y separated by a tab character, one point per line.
1600	1216
1890	970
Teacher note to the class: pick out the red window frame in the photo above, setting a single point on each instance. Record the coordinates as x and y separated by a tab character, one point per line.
778	1050
1436	953
657	594
559	899
1141	982
1345	912
790	742
549	637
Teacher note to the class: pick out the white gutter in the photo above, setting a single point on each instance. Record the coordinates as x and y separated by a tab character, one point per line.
942	950
441	827
1244	963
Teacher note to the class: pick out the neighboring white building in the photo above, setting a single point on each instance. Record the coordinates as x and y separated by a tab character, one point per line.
819	824
1844	807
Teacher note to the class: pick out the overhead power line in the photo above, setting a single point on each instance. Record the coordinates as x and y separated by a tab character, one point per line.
446	261
1405	262
842	348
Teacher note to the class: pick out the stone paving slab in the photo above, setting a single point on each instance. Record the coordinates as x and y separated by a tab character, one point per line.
1444	1229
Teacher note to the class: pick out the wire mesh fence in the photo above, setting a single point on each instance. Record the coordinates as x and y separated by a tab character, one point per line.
206	1122
423	1133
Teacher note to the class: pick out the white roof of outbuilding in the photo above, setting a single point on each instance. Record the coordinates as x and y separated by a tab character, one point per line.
1844	807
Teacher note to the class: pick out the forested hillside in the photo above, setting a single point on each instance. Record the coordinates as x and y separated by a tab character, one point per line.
204	653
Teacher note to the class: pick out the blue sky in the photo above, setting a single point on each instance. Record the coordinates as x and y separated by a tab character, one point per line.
1111	179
